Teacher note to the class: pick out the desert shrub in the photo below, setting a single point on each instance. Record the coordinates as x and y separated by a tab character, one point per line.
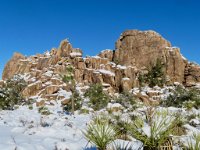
75	102
10	94
68	75
191	116
97	98
84	111
155	75
179	128
189	105
30	107
127	100
183	97
44	110
122	127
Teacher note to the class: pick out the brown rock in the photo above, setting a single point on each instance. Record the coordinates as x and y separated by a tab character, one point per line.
76	52
137	48
148	101
64	49
65	101
192	74
32	89
1	83
56	81
95	62
107	54
51	89
40	103
152	93
12	66
126	84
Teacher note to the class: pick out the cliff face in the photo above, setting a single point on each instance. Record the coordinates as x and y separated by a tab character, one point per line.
141	49
135	51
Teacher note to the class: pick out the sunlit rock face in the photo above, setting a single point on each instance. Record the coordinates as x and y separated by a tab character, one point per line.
143	48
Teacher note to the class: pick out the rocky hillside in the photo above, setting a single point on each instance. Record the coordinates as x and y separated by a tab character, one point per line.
117	70
148	98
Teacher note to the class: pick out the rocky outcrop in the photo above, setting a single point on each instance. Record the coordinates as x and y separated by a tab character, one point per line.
109	54
116	70
13	66
192	74
142	49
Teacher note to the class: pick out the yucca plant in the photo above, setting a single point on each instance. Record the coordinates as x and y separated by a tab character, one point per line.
100	134
122	146
195	143
179	128
160	129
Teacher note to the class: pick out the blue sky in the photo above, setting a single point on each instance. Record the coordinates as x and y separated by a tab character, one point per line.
34	26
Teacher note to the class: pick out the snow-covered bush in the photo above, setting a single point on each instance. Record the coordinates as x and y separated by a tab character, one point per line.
68	75
44	110
127	100
10	94
183	97
98	99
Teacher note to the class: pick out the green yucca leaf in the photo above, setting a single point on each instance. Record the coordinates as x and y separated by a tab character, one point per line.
100	134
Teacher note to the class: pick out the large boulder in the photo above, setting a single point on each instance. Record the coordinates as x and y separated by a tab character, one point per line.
142	49
32	89
192	74
107	54
12	67
64	49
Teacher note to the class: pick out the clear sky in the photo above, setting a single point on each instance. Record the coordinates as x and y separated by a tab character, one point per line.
34	26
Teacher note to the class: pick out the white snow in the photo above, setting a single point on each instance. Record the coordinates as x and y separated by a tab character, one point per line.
75	54
121	67
125	79
115	105
106	72
106	50
183	57
48	73
64	93
26	129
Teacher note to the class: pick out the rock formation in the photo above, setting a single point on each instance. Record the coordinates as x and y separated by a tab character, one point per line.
140	49
116	70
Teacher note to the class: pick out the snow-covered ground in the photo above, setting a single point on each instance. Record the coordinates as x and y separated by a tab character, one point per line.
25	129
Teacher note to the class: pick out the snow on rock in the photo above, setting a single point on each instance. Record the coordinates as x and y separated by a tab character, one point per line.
106	72
75	54
47	53
121	67
194	122
115	105
125	79
48	73
64	93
